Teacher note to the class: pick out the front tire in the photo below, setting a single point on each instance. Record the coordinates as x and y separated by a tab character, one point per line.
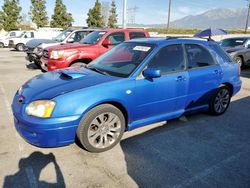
101	128
220	101
20	47
239	60
1	45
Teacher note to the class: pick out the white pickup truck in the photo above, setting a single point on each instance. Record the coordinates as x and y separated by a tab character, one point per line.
4	40
19	42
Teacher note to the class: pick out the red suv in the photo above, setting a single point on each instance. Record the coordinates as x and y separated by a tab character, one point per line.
92	46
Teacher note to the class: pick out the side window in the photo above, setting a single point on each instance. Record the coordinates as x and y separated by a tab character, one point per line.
247	44
198	56
12	34
116	38
169	58
220	52
29	35
79	36
135	35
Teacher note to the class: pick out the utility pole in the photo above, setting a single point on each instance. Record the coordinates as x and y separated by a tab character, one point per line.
169	9
124	21
247	16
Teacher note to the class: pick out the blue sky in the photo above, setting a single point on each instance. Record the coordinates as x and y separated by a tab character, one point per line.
149	11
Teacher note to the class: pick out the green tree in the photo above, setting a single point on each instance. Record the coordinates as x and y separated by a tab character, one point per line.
94	16
1	19
38	13
61	18
112	22
11	14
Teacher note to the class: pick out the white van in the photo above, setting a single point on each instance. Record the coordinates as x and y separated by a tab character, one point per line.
19	42
4	40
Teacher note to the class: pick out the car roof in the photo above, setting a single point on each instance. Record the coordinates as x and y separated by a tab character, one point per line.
163	41
121	29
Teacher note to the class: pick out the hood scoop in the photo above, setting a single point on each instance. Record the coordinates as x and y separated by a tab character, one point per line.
72	73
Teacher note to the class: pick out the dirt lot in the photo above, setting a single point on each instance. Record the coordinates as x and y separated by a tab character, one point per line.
196	151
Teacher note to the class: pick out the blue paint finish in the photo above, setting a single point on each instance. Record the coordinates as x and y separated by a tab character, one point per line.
146	100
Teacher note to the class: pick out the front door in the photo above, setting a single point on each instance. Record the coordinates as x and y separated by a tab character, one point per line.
166	94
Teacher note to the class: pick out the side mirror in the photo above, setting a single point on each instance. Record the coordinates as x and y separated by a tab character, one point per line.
106	43
70	40
151	73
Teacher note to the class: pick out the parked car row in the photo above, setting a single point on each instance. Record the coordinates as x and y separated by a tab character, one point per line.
72	48
35	47
18	39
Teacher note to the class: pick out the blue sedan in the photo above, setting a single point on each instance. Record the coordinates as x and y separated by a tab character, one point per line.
136	83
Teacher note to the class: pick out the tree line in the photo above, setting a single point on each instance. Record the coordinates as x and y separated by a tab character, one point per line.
100	15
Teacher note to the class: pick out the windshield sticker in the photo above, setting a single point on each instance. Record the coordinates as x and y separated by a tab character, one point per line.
142	48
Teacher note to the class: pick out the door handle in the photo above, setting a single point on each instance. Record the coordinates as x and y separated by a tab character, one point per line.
180	78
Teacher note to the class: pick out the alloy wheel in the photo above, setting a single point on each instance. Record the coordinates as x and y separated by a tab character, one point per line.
104	130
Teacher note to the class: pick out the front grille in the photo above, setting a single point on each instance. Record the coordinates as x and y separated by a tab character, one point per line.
45	53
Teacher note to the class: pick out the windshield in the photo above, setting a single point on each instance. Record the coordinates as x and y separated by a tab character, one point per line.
233	42
62	36
93	37
122	60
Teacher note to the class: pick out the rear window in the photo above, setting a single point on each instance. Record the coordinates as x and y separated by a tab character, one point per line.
220	52
136	35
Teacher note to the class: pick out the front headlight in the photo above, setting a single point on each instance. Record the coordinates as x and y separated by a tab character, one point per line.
41	108
38	51
56	54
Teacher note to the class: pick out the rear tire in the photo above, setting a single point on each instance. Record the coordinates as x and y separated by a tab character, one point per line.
220	101
20	47
101	128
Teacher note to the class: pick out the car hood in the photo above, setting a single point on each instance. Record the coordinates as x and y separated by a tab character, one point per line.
52	84
68	46
35	42
233	49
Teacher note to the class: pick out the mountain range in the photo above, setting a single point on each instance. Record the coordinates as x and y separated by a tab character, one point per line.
215	18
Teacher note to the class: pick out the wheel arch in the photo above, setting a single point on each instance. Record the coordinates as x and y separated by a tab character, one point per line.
118	105
230	86
84	60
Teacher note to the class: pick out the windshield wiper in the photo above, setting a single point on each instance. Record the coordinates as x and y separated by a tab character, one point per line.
97	70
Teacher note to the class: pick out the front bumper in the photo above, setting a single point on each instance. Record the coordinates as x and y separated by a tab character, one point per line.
53	132
32	57
51	65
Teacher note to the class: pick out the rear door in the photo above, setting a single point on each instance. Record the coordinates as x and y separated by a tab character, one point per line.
205	75
166	94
